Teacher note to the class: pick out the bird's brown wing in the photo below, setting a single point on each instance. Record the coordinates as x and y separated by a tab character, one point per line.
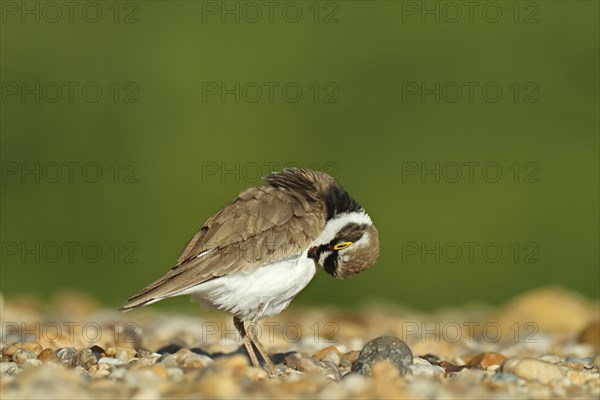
264	224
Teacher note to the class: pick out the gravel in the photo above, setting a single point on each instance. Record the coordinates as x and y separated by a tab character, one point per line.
368	355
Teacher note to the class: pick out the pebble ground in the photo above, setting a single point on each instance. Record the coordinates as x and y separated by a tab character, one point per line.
543	344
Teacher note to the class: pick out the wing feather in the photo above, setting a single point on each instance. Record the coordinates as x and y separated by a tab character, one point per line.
263	224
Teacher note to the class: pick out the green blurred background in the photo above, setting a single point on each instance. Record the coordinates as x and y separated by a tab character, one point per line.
172	147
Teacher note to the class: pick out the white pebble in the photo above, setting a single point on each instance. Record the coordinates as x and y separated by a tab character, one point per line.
420	361
426	370
109	360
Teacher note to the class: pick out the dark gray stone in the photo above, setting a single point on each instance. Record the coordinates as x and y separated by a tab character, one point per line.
67	356
382	348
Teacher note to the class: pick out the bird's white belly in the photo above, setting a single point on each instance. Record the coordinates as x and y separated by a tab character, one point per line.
241	294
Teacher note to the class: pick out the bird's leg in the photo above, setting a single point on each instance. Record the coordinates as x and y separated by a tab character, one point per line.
239	325
257	343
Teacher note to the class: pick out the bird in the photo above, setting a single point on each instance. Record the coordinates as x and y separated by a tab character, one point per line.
257	253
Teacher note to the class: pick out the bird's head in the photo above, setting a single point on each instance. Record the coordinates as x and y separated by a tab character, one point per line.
353	247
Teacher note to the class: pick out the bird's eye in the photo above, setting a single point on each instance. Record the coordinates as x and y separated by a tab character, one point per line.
342	245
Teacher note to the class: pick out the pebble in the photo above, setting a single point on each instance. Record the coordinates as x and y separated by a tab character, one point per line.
449	367
551	358
382	348
95	370
160	370
169	360
100	373
351	356
175	374
86	358
67	356
345	365
9	349
8	368
112	351
590	334
233	364
122	355
291	360
584	360
532	369
425	370
385	382
219	386
138	378
118	373
581	377
431	359
355	382
348	359
305	369
98	351
110	361
144	354
310	364
48	355
421	361
256	374
21	355
330	353
193	360
486	360
32	362
505	378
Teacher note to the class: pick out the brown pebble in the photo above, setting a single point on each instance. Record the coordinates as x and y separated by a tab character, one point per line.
309	364
193	360
312	365
111	351
591	334
449	367
181	353
351	356
48	355
486	360
193	364
580	377
86	358
9	349
323	352
384	370
256	374
160	371
386	382
220	386
235	363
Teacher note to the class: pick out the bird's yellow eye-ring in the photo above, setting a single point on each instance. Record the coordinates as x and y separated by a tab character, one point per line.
342	245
